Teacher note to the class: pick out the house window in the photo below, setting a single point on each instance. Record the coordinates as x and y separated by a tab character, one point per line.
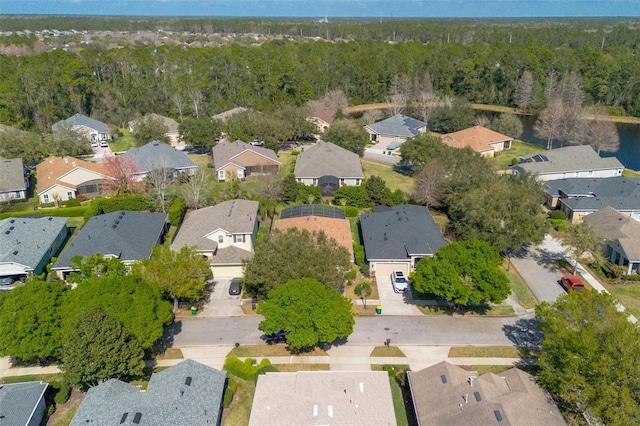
238	238
45	198
221	175
590	172
220	239
69	195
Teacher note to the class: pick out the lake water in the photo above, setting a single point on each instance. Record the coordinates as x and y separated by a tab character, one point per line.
628	154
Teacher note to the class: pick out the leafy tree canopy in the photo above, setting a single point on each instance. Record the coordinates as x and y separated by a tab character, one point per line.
453	117
136	303
99	348
281	257
201	131
348	134
309	311
31	318
96	265
150	128
355	196
591	356
464	272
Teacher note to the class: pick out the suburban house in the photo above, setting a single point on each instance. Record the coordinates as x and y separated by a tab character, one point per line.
22	404
226	114
396	129
577	197
172	129
484	141
224	233
27	244
239	159
157	155
126	235
317	218
621	236
188	393
63	178
328	166
92	129
569	162
323	118
323	398
13	179
446	394
396	238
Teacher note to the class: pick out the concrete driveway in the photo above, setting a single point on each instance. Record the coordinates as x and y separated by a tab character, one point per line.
394	303
221	303
537	269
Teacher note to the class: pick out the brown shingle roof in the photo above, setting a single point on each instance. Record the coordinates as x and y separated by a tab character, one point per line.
327	115
477	138
53	169
337	229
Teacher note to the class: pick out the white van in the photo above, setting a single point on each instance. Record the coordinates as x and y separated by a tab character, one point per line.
399	281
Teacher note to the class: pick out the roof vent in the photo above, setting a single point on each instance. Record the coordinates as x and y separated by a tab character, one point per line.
114	226
12	221
498	415
188	381
50	219
477	396
123	418
15	253
136	418
443	378
7	232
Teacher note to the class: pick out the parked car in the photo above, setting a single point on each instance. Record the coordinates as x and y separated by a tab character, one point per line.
104	144
94	144
570	282
256	143
235	287
278	337
6	280
399	281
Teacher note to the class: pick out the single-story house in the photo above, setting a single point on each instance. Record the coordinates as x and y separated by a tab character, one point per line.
446	394
14	181
172	129
323	118
485	142
157	155
580	161
396	238
27	244
226	114
92	129
188	393
241	159
63	178
398	128
126	235
224	233
621	236
577	197
328	166
323	398
22	404
333	224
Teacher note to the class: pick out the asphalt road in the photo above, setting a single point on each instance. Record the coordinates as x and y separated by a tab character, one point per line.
402	330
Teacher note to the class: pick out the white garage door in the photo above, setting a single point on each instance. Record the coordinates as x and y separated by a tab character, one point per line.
227	271
384	268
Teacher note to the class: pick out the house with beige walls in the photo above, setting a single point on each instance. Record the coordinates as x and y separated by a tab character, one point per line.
239	159
397	129
62	178
225	234
485	142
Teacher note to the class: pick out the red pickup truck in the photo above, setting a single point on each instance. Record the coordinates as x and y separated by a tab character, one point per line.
572	283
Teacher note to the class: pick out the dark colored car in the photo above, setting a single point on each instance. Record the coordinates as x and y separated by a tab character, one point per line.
572	283
278	337
6	280
235	287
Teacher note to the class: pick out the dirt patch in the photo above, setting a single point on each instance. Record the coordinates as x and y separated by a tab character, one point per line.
61	410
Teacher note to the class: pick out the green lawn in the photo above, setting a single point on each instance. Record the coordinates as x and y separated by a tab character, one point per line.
239	411
484	352
630	173
396	394
628	295
387	351
123	142
524	295
393	179
518	148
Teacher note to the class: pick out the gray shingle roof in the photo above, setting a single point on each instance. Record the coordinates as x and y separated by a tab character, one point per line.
124	234
621	193
11	174
18	403
82	120
186	394
612	225
327	159
226	152
323	398
443	394
567	159
398	125
226	114
234	216
27	241
156	154
400	232
169	123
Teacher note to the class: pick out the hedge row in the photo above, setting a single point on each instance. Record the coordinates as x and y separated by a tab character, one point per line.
108	205
246	369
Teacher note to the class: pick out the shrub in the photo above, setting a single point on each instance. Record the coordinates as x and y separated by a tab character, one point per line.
352	274
351	211
107	205
71	202
514	161
557	214
244	369
635	277
229	392
63	394
176	211
560	225
389	369
358	252
295	152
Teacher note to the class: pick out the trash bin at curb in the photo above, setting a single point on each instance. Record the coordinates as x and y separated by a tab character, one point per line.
194	310
379	310
321	344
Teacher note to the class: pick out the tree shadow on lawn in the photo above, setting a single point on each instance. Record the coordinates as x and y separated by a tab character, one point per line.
168	335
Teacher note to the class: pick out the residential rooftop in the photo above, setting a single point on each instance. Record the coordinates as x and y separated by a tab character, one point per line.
567	159
621	193
327	159
398	125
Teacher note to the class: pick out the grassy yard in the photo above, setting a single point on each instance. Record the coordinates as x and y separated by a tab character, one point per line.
255	351
628	295
524	295
393	179
630	173
491	311
387	351
483	369
65	419
518	148
484	352
396	394
201	159
47	378
239	411
171	353
123	142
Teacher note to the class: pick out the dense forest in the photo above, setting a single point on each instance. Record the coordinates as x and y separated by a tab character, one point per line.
477	61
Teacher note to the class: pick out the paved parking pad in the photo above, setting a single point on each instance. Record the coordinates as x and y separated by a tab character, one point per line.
394	303
221	303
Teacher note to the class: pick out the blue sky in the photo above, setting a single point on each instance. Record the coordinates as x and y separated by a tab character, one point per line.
330	8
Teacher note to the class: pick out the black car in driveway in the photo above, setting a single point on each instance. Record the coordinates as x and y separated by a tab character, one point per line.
278	337
235	286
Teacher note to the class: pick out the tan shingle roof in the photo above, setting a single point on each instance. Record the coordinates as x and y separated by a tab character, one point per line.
226	152
612	225
337	229
52	169
327	159
477	138
11	174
